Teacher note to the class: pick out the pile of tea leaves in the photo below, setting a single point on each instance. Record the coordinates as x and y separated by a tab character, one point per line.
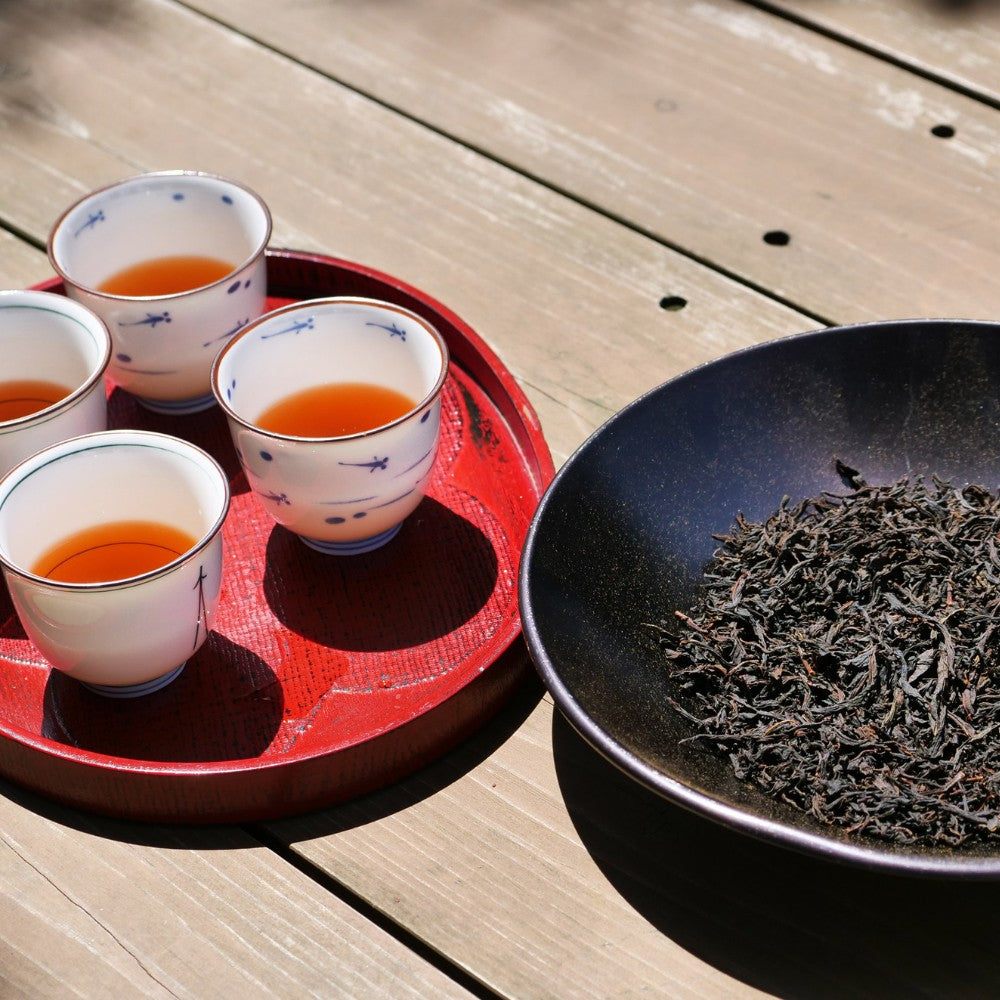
844	656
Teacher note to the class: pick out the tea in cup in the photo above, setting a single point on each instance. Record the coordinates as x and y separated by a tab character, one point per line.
111	548
334	406
174	263
53	356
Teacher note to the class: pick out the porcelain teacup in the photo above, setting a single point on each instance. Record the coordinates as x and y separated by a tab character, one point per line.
346	486
53	356
174	263
76	514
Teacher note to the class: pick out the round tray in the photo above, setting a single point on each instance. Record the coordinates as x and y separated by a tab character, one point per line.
325	677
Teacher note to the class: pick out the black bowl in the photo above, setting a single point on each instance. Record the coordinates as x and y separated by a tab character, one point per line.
623	533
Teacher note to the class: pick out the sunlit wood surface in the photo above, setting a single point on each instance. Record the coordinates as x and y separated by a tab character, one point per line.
610	193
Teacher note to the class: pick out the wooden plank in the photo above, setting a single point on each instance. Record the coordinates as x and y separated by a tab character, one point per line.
97	909
956	42
21	264
509	840
569	299
480	856
584	884
708	123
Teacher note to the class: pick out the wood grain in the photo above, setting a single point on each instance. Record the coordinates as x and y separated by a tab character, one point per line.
521	901
585	884
21	264
101	909
569	299
707	123
556	174
955	42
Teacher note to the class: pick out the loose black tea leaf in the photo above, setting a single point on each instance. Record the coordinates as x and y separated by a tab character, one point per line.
844	656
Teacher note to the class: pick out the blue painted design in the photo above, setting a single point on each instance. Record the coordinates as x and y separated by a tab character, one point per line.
202	606
336	519
229	390
135	690
194	405
227	199
92	221
391	328
389	503
234	287
415	464
423	419
125	359
296	328
229	333
178	196
375	463
152	320
278	498
145	371
352	548
344	503
267	456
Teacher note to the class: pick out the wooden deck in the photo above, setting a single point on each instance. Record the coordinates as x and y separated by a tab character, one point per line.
609	193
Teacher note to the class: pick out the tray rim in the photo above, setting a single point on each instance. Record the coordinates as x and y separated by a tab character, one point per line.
480	362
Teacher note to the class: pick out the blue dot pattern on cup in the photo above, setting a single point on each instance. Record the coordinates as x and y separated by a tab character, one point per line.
413	474
383	467
153	320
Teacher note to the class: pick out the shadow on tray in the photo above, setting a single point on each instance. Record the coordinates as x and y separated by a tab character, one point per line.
434	578
472	749
230	693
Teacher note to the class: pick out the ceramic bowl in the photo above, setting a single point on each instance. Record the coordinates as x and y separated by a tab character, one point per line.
623	535
342	494
48	339
165	342
121	637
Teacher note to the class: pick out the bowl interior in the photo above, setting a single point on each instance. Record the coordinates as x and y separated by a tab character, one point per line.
621	537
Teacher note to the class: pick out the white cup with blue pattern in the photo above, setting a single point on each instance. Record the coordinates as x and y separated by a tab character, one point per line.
53	356
114	497
174	263
342	487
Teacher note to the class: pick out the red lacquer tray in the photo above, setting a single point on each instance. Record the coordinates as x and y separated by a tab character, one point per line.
325	677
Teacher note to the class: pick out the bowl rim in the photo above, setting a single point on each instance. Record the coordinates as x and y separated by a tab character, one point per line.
837	845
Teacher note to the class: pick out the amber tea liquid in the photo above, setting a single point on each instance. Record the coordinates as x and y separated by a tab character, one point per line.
21	397
114	551
335	409
166	275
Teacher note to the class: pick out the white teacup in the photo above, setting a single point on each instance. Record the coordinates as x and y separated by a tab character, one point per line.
165	341
53	356
122	636
341	492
